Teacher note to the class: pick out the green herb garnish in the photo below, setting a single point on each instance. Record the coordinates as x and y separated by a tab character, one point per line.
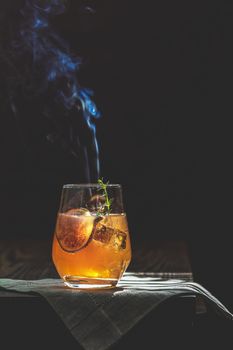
108	202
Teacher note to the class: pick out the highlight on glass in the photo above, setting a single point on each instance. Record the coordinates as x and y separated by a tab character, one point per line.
91	245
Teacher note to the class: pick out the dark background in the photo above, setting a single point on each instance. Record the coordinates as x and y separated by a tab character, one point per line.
161	72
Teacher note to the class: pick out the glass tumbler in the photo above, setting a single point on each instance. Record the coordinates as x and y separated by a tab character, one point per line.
91	245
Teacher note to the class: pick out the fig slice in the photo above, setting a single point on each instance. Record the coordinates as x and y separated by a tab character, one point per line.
74	229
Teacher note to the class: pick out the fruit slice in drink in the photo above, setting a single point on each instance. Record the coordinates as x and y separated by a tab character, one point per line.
74	229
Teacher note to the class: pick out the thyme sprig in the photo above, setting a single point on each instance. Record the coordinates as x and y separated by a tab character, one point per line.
108	201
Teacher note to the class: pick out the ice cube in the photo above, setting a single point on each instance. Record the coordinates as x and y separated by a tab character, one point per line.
109	235
119	239
96	203
102	233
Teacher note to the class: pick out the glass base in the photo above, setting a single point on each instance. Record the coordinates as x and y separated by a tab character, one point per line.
89	283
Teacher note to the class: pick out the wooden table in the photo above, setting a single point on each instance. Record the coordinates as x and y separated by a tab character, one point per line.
31	259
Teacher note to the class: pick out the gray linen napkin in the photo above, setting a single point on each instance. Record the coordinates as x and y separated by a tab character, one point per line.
99	318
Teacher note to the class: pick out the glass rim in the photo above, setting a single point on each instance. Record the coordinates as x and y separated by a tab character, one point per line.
87	185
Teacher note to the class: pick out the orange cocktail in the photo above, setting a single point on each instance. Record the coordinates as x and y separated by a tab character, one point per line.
90	248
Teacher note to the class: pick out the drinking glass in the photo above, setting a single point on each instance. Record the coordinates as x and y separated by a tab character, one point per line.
91	245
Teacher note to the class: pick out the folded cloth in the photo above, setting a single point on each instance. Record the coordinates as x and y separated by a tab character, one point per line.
97	319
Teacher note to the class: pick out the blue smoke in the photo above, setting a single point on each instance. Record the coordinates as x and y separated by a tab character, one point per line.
58	67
